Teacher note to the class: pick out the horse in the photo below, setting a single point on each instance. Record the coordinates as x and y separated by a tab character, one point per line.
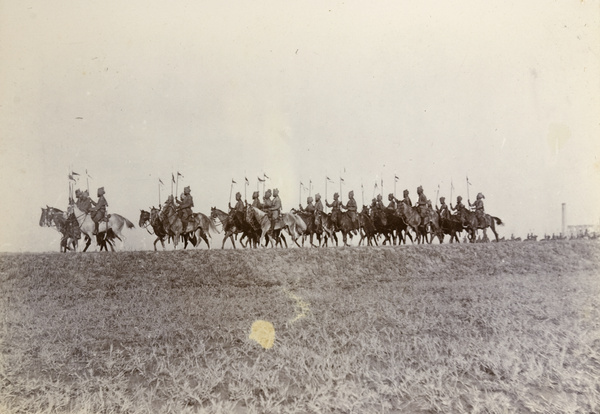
367	227
343	223
115	222
295	225
312	226
53	217
471	224
261	222
152	219
173	225
412	218
204	226
451	225
227	222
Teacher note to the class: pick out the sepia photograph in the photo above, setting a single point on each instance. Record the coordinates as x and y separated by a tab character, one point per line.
299	207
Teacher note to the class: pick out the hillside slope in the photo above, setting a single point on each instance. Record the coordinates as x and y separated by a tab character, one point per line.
442	328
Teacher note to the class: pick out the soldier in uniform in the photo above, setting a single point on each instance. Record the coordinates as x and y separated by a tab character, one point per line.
392	205
443	209
379	204
335	207
256	201
99	210
318	210
185	207
352	210
238	210
310	207
166	211
267	203
84	203
406	199
422	204
276	207
459	205
479	209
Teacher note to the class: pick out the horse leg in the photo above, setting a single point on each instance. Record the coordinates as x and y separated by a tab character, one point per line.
205	238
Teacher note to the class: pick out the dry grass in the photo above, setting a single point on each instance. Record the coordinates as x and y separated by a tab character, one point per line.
464	328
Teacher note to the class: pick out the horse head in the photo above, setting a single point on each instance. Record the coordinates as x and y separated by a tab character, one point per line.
44	217
144	217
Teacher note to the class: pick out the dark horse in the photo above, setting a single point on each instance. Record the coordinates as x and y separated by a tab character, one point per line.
71	233
151	219
472	224
230	223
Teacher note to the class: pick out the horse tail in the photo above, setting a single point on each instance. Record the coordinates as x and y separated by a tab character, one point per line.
207	224
128	223
498	221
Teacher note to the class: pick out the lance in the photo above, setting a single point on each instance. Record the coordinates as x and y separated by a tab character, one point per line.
177	184
341	182
300	195
437	194
87	180
468	184
451	188
231	190
309	188
326	179
245	187
172	182
159	191
395	181
362	189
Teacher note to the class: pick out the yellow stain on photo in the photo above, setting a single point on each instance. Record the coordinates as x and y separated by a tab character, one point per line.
263	332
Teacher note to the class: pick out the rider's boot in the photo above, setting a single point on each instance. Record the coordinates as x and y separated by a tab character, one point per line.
96	225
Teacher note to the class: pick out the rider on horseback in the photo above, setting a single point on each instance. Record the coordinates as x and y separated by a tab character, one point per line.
238	210
276	207
84	203
391	208
99	210
406	199
267	203
310	207
422	204
335	207
256	201
479	209
379	203
443	209
318	210
352	211
459	205
185	207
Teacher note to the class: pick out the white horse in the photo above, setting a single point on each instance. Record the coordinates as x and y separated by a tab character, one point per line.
294	224
115	223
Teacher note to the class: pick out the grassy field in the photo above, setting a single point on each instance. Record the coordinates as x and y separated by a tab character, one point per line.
499	327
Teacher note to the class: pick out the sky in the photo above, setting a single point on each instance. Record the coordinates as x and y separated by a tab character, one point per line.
504	93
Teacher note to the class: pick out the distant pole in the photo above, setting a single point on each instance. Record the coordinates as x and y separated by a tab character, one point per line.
564	220
159	192
300	194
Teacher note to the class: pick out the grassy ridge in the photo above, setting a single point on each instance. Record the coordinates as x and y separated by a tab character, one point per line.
450	328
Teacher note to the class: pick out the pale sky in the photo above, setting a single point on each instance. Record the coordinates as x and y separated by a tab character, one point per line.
507	93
